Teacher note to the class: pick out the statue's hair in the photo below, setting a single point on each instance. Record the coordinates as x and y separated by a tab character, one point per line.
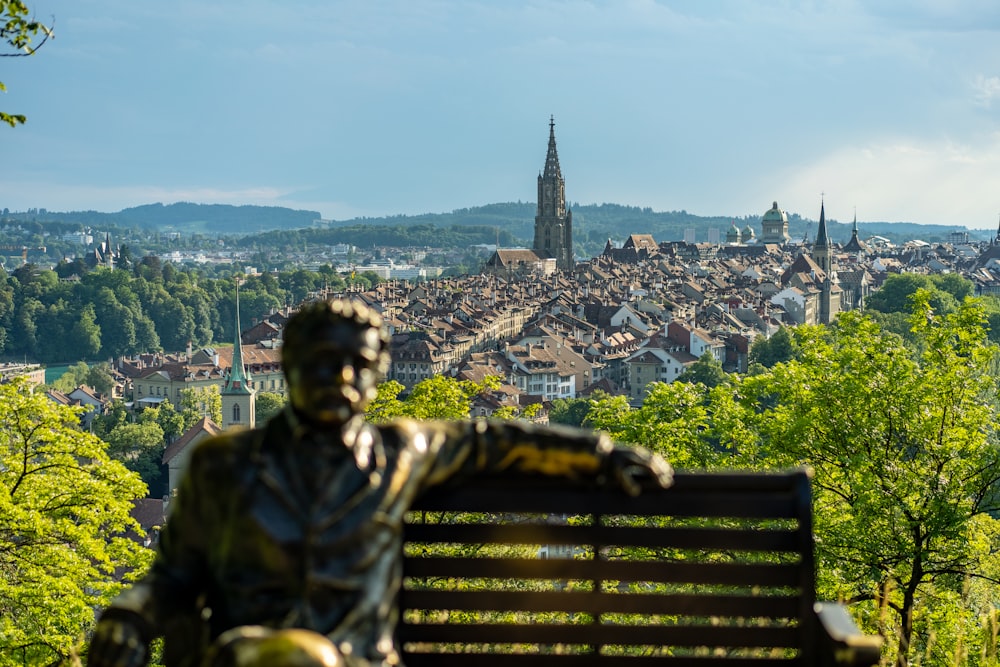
313	321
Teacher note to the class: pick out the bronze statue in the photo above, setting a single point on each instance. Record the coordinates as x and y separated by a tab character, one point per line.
289	535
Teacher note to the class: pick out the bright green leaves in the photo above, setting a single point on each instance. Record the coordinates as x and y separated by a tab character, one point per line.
901	437
673	421
902	443
64	511
437	397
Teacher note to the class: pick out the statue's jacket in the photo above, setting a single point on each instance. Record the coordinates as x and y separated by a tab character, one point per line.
286	527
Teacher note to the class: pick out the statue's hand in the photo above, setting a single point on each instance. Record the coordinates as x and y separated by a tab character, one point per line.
626	465
117	642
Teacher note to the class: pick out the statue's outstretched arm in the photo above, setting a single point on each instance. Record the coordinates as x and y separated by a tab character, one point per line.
517	447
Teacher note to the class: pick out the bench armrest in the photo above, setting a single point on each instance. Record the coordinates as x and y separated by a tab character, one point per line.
842	639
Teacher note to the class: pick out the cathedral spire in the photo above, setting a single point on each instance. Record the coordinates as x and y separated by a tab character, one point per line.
552	157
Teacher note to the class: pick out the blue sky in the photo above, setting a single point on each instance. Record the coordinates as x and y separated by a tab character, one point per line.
374	107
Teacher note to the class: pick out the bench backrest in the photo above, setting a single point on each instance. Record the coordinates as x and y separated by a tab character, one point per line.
719	567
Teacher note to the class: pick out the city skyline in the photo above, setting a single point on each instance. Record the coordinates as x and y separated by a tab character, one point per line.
380	108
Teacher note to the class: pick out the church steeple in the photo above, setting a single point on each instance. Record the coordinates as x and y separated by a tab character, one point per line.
553	223
855	246
829	298
822	240
239	378
821	248
238	396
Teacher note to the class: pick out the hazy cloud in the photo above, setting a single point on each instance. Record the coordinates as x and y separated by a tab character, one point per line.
986	89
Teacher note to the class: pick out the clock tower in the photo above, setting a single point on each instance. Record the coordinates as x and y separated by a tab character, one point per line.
553	222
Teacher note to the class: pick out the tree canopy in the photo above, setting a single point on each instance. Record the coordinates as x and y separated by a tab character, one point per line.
437	397
904	451
944	292
64	515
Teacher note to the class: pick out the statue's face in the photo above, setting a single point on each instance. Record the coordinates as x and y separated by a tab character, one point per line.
334	377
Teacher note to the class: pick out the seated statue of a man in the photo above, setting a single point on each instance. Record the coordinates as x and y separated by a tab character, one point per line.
287	539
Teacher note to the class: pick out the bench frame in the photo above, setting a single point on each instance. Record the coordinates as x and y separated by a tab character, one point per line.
673	560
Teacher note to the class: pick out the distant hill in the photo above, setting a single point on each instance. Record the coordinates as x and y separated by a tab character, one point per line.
593	224
188	218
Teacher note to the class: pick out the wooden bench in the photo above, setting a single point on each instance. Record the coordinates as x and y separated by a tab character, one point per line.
717	569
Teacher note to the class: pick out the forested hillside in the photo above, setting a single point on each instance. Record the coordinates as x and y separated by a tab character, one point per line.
111	313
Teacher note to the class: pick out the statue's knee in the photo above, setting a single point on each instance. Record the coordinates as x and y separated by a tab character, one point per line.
256	646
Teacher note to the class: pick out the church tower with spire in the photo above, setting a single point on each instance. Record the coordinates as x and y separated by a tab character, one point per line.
821	248
239	398
822	254
553	222
856	247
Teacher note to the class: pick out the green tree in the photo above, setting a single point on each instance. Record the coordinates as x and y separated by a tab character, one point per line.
437	397
957	285
201	402
64	511
267	404
386	405
117	322
767	352
74	376
85	335
140	448
18	31
24	333
897	292
165	415
115	415
511	413
707	371
905	458
101	378
672	421
572	411
172	320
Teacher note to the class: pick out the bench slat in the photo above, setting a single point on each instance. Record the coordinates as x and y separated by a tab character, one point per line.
679	503
588	635
548	660
728	574
735	539
700	605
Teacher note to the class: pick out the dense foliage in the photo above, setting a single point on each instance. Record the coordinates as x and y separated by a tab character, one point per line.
64	514
152	306
905	455
438	397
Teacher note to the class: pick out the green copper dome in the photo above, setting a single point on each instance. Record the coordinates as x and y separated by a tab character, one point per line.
775	215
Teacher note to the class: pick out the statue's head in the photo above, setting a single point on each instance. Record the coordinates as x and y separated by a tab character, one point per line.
334	354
